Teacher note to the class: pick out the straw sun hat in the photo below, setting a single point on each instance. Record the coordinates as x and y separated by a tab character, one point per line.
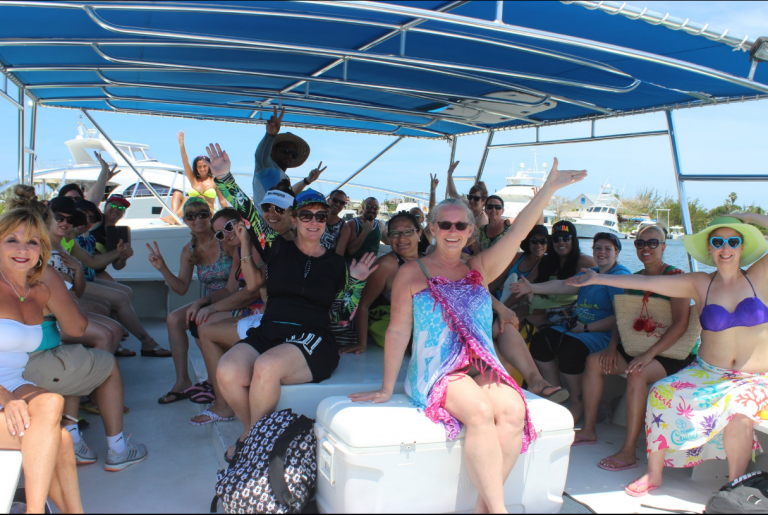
302	148
754	244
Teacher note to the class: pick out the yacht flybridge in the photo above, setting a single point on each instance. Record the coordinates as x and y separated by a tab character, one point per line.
433	70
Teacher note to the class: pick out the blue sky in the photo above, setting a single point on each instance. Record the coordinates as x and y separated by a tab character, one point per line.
723	139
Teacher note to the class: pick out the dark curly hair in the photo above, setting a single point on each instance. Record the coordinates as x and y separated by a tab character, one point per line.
194	167
408	216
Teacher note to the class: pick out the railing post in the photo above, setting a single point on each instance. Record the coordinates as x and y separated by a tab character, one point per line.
369	163
21	136
680	185
485	155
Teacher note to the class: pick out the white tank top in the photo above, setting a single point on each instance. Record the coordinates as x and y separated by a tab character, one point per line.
18	340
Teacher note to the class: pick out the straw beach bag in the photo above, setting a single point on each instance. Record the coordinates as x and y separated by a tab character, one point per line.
642	321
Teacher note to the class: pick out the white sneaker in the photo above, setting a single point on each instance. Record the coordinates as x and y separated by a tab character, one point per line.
84	455
130	456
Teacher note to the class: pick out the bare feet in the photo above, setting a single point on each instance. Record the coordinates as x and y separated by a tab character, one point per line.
169	220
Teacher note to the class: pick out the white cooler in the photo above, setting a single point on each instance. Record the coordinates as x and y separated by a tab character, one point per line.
391	458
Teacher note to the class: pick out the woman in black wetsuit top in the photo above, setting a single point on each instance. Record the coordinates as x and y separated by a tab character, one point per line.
294	343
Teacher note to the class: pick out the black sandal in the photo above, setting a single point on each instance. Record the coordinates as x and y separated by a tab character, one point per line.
233	459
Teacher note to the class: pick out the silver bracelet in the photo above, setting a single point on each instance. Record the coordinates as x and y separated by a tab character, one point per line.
249	256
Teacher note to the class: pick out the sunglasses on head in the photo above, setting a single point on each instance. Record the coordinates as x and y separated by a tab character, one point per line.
537	241
476	198
651	244
564	239
289	152
493	206
228	228
446	226
405	234
119	207
192	216
271	207
734	242
61	218
338	201
307	216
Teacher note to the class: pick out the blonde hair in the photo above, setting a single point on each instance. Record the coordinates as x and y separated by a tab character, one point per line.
25	209
658	228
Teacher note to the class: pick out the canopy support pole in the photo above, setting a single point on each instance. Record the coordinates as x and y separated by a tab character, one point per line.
485	155
21	135
31	150
454	140
693	266
141	177
369	163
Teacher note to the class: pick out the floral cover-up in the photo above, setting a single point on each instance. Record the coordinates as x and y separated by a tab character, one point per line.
688	411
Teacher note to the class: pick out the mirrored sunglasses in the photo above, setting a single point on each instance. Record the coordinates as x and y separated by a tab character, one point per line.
271	207
119	207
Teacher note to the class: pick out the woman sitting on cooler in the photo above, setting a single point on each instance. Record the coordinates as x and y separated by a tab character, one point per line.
445	303
707	410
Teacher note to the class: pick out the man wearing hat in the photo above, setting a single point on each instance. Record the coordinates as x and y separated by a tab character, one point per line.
114	210
274	155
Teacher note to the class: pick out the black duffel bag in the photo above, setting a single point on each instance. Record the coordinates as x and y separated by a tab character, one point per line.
747	494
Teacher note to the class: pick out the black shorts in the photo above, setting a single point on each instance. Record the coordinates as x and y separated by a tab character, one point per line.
671	366
318	346
570	352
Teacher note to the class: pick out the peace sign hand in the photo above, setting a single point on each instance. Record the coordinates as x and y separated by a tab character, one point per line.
360	270
315	174
433	181
273	124
558	179
220	163
155	257
452	168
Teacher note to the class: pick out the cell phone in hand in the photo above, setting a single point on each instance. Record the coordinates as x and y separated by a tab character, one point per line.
117	233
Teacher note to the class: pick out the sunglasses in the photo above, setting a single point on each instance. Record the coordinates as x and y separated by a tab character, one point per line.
307	216
271	207
61	218
564	239
476	198
651	244
493	206
92	219
446	226
536	241
404	234
202	215
76	198
112	205
734	242
288	152
228	228
371	207
339	201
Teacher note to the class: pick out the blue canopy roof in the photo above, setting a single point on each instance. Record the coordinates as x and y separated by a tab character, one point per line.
416	69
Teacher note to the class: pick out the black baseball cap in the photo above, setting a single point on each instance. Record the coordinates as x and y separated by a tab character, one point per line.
68	206
608	236
87	206
564	227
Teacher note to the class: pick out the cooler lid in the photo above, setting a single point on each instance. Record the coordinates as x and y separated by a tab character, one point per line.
398	422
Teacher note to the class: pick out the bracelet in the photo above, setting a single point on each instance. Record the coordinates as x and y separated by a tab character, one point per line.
249	256
306	181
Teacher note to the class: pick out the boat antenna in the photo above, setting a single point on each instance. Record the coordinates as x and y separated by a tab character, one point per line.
535	162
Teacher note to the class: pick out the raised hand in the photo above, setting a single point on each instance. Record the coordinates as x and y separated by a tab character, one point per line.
558	179
70	261
17	417
520	288
315	173
100	159
587	278
744	217
155	257
273	124
433	181
242	234
452	168
376	397
112	172
360	270
180	135
220	163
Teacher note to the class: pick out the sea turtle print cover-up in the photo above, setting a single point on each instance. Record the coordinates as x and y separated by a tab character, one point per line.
451	331
688	411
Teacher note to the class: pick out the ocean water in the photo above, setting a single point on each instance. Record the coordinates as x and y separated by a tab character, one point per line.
675	254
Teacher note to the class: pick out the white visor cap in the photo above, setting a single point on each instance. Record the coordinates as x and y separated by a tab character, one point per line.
278	198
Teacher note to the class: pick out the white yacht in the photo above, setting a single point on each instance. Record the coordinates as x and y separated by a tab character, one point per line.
601	217
676	232
521	187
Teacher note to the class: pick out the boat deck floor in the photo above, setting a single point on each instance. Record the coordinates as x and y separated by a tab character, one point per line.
179	475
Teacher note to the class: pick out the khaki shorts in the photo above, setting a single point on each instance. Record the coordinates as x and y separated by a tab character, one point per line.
69	369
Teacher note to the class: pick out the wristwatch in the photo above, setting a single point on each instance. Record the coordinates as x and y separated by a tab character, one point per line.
306	181
586	328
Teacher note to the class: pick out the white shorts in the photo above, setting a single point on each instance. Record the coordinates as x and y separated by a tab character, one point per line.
246	323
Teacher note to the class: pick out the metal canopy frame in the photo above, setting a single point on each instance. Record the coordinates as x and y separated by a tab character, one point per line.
329	107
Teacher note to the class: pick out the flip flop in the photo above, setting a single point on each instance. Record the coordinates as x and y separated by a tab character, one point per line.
624	466
212	417
559	396
177	396
203	397
650	488
203	386
157	352
122	352
577	440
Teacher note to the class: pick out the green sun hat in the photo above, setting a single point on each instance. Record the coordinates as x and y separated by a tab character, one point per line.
754	244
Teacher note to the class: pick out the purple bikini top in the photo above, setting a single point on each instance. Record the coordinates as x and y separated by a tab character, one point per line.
748	313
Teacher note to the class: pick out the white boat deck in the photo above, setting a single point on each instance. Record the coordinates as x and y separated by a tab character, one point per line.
180	473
